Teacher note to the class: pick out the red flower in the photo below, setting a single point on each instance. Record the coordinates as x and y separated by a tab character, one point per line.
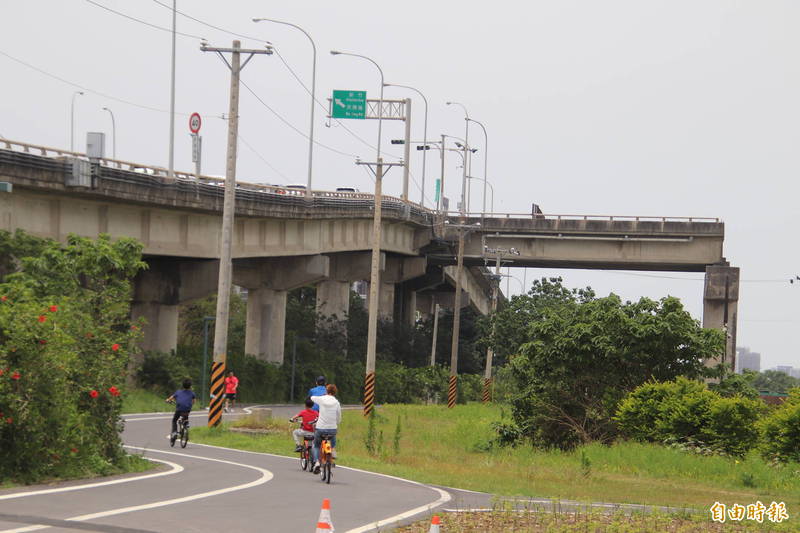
53	308
113	390
15	375
1	373
115	347
93	393
89	335
3	298
42	341
74	450
42	318
9	420
134	328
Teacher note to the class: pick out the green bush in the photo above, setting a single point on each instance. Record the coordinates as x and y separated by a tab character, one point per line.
686	411
781	431
65	340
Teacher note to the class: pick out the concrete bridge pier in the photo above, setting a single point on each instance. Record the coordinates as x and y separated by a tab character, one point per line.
720	307
267	282
333	293
333	299
161	288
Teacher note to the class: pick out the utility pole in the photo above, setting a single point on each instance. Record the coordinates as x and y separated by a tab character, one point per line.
225	263
407	152
435	333
487	374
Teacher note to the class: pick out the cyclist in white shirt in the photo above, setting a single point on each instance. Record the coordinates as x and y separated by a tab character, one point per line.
330	414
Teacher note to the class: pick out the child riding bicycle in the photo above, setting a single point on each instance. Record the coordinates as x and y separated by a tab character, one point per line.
183	399
308	417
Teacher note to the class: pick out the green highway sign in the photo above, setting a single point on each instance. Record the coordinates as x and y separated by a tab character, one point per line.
349	104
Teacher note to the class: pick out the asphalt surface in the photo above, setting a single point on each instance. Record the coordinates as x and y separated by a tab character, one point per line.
204	488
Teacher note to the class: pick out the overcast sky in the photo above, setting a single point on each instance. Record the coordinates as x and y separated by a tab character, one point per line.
667	108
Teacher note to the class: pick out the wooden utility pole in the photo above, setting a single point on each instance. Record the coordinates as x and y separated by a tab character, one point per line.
225	262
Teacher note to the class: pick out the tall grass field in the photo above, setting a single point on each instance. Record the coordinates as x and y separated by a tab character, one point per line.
455	447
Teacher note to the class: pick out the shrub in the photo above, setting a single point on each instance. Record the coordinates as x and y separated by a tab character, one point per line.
781	430
65	341
686	412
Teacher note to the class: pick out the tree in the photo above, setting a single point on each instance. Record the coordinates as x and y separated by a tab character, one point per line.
65	340
583	354
775	381
506	331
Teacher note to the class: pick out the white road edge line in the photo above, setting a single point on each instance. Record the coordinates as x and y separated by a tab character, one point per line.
175	468
444	496
266	475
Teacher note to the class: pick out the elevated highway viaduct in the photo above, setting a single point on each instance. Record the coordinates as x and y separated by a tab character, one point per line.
283	241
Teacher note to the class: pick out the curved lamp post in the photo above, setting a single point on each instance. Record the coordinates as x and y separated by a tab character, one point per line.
113	132
424	136
313	95
72	121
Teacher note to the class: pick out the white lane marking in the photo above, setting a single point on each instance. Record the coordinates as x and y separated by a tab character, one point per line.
175	468
266	475
444	496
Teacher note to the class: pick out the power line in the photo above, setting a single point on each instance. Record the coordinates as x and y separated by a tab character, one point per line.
144	21
87	89
280	117
278	172
288	67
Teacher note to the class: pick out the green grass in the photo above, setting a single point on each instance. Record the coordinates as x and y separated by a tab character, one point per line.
454	448
143	401
581	522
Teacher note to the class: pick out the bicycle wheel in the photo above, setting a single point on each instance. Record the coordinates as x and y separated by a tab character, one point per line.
303	460
184	435
323	472
328	469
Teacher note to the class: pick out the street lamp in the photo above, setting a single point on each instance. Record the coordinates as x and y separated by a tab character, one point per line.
72	121
466	143
374	277
491	187
113	131
424	136
485	160
313	95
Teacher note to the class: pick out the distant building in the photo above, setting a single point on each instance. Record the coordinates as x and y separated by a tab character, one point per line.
795	373
747	360
785	369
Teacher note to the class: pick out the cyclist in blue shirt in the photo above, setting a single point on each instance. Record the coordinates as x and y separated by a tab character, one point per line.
184	399
319	390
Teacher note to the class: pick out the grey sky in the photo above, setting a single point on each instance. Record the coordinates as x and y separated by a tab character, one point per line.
678	108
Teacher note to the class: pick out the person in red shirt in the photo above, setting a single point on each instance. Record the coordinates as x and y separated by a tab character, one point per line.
308	416
231	384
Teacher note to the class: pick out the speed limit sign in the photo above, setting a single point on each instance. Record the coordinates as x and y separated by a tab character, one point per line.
194	123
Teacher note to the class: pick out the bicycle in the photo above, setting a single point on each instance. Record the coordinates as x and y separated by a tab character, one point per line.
183	432
325	458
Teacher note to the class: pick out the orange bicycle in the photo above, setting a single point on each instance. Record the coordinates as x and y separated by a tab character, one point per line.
325	458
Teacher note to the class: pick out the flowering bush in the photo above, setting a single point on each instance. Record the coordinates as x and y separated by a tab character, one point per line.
61	316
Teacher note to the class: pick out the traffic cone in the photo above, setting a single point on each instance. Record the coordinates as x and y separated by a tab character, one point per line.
324	524
434	524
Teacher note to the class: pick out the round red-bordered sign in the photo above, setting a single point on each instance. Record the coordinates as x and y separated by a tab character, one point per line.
195	123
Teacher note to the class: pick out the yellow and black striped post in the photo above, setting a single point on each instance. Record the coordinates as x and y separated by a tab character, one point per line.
487	390
217	396
451	392
369	393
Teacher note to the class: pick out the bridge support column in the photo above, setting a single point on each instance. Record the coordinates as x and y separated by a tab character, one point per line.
161	331
720	307
266	324
333	299
267	282
386	301
405	304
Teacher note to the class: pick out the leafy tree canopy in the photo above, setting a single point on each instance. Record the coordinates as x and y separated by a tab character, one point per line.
579	355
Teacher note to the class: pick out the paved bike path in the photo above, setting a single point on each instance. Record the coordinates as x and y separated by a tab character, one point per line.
203	488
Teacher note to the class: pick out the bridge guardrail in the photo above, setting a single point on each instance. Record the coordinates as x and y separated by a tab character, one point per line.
549	216
209	183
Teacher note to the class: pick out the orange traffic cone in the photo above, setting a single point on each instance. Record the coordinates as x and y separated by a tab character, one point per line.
434	525
324	524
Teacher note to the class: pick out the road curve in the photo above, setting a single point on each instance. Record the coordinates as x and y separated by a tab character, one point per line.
207	488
